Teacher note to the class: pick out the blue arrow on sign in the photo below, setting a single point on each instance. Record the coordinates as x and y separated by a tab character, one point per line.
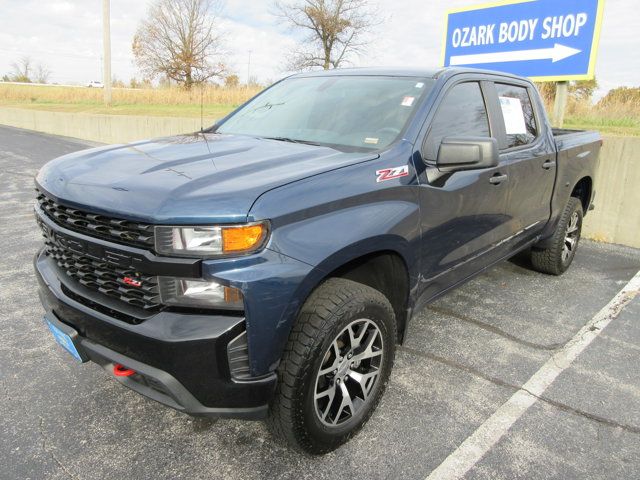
542	39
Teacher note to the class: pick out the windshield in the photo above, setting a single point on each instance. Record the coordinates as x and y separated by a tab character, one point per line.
351	111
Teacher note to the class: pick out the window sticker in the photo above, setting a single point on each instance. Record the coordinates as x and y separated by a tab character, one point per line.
513	115
407	101
419	85
372	140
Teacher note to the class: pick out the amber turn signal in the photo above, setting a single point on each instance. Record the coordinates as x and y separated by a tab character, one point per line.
244	238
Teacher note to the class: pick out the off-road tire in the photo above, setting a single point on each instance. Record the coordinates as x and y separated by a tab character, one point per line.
550	260
333	306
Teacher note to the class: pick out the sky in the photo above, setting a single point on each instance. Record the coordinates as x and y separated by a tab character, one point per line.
66	36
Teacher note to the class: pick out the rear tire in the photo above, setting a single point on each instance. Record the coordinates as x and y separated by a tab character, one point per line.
557	258
335	366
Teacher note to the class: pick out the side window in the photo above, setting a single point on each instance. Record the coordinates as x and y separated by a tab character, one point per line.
517	111
462	113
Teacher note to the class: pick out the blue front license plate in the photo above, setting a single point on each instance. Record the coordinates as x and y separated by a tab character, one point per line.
64	340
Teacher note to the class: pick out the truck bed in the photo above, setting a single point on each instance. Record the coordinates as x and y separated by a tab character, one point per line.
558	132
577	158
567	139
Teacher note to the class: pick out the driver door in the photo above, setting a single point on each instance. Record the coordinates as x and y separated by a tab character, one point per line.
463	213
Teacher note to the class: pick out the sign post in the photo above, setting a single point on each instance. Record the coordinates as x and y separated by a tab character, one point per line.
545	40
560	104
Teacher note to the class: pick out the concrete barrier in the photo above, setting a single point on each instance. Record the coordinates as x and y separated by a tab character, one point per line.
98	128
616	218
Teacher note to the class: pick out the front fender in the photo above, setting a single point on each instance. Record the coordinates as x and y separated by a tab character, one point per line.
270	283
318	225
344	213
330	241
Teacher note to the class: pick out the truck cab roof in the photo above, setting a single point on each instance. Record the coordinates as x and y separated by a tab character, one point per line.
435	72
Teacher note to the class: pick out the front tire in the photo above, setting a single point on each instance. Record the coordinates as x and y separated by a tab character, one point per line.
557	258
335	366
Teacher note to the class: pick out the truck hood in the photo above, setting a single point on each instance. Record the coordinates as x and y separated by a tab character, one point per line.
198	178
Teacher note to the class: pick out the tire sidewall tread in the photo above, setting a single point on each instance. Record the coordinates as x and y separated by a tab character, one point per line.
549	260
332	306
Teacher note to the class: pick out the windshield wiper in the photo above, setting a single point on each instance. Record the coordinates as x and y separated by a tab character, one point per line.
293	140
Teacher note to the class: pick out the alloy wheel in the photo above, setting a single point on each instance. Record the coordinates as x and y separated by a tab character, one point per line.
571	237
348	374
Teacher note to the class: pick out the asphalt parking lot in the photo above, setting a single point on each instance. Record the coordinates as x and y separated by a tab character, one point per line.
466	356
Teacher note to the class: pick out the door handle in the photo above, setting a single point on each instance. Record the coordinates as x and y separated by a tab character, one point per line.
548	164
498	178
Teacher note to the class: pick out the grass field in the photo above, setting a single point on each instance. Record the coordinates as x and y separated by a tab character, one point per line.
625	126
613	118
209	111
218	101
165	102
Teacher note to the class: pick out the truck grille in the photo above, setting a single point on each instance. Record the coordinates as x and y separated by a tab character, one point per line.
107	279
113	229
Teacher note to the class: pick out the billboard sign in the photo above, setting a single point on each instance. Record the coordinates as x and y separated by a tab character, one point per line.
546	40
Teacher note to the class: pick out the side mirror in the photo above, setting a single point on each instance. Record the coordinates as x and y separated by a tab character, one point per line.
467	153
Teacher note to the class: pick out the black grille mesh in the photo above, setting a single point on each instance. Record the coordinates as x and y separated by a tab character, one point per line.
116	230
107	279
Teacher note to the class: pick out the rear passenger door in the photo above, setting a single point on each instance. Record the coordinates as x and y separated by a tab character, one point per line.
529	158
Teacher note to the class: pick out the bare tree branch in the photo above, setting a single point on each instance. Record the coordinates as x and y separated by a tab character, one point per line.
25	70
335	30
177	40
22	70
41	74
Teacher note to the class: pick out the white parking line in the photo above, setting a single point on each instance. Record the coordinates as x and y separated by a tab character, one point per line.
462	459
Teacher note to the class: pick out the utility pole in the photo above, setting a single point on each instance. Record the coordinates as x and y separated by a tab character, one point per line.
106	44
249	69
560	103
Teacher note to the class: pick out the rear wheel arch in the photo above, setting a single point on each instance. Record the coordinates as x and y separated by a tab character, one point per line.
582	191
556	256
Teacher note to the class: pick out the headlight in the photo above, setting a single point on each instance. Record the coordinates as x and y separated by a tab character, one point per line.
211	241
199	293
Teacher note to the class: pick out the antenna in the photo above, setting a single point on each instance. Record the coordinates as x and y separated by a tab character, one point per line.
201	107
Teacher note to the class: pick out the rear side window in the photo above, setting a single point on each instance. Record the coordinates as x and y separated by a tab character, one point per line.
517	112
462	113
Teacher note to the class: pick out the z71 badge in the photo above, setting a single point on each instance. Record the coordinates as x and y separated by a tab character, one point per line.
391	173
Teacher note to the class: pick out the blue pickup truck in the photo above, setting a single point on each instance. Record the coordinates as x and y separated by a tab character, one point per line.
268	266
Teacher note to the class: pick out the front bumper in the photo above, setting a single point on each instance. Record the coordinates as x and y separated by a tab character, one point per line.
180	358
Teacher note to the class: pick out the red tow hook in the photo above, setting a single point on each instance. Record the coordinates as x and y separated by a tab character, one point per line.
122	371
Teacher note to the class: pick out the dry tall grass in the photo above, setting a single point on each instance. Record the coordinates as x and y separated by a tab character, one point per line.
617	113
11	93
613	116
